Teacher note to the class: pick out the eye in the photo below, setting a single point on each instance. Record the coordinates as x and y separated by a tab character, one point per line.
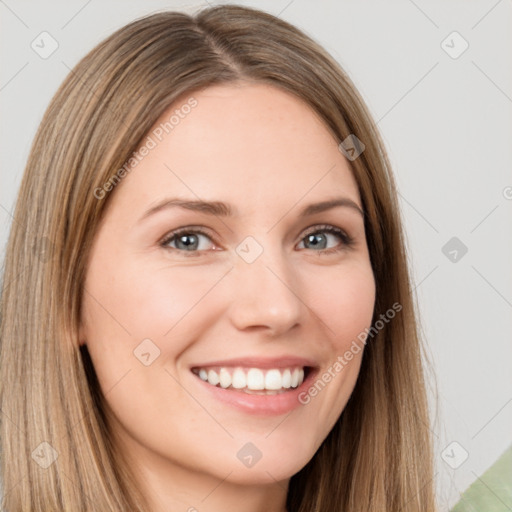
317	238
187	240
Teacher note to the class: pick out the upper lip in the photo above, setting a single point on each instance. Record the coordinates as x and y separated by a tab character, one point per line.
260	362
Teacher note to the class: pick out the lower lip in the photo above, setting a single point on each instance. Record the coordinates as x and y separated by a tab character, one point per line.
263	405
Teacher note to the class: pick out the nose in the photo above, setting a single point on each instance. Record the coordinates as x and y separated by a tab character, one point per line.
266	294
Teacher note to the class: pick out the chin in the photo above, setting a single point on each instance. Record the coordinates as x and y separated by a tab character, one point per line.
276	467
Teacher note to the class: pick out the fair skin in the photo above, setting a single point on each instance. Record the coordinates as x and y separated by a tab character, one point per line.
268	156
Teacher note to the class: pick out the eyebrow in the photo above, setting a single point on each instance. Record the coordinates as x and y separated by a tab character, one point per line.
218	208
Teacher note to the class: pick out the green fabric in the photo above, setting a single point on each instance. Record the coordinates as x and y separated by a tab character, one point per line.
492	492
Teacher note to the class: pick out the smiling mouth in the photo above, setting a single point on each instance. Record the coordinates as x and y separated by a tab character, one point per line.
256	381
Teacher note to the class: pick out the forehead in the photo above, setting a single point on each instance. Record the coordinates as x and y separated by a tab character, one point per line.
246	144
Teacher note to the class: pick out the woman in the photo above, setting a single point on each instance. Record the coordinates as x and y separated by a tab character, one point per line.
171	337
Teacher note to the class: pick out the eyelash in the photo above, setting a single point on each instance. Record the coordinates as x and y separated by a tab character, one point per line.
347	240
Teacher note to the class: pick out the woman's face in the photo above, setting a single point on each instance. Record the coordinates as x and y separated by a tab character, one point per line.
262	294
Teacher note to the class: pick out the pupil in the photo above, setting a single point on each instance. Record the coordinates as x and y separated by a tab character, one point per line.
183	238
314	239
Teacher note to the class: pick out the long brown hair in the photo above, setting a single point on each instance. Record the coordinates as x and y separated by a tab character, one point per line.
377	458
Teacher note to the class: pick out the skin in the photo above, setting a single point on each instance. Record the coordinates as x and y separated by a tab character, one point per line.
268	155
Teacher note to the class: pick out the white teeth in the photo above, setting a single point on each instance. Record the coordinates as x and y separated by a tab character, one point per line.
287	379
225	378
273	380
295	378
213	378
239	380
253	379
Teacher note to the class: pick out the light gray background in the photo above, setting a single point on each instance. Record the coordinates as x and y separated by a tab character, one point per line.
448	127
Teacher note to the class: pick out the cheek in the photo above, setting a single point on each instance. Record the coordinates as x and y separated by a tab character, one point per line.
344	299
144	299
128	301
345	305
